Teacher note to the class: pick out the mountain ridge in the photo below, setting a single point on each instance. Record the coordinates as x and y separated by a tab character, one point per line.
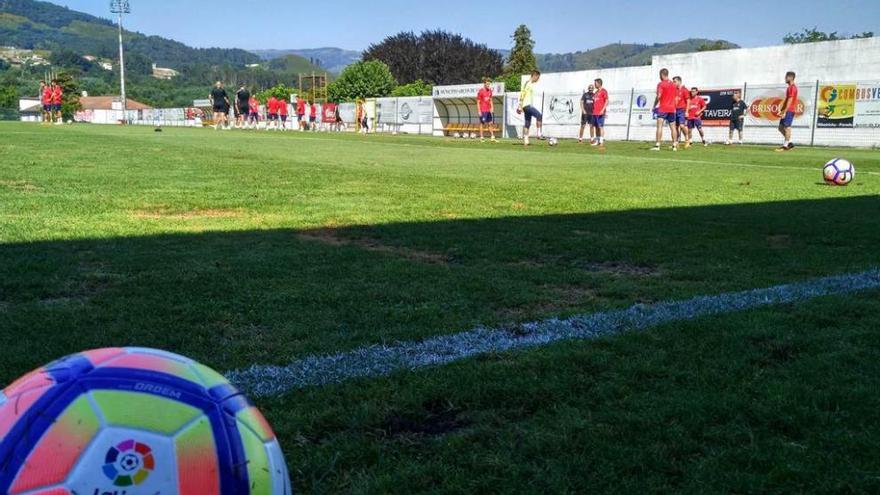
602	57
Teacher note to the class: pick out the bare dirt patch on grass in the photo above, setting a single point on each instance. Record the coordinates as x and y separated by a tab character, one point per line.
434	419
620	269
195	214
19	185
333	238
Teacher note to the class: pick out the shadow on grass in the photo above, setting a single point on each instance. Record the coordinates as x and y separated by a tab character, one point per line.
236	298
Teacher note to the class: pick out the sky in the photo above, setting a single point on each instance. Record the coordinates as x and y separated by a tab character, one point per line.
557	25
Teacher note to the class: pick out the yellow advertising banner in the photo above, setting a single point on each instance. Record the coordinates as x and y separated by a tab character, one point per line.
836	106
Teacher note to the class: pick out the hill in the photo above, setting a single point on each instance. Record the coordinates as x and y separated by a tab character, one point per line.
613	55
332	59
294	64
33	24
620	54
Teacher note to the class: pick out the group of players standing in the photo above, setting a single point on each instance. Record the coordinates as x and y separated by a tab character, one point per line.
247	111
51	98
675	105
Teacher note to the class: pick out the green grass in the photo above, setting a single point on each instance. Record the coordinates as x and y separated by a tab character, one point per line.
242	248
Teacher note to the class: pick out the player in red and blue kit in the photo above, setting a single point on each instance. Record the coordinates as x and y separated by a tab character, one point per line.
272	109
486	107
281	105
46	102
664	109
600	108
696	108
253	112
788	111
681	105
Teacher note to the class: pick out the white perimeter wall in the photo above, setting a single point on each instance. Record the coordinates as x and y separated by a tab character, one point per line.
829	62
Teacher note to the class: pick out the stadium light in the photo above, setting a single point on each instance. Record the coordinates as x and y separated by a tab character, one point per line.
120	7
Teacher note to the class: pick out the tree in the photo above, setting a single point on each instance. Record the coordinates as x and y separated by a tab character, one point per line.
435	57
712	46
813	35
415	88
281	92
68	59
365	79
522	57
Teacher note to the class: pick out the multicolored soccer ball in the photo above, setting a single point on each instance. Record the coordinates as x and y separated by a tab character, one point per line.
552	141
130	421
839	172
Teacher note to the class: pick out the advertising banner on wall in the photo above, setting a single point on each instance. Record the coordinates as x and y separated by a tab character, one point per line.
562	109
466	90
643	107
867	106
513	118
719	105
765	104
617	113
836	105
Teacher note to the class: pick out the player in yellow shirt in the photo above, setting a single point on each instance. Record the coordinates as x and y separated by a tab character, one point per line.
527	107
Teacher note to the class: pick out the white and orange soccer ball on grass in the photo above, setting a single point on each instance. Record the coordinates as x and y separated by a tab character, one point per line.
136	422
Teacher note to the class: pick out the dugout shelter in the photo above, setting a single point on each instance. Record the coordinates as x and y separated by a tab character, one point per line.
455	109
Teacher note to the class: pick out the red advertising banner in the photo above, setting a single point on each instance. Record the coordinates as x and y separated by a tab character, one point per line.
328	113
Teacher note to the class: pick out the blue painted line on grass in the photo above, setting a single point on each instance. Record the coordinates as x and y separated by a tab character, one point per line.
374	361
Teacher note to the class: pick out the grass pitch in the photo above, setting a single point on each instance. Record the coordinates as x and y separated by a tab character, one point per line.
259	248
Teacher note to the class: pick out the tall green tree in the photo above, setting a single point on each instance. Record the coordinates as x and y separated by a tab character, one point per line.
436	57
522	56
521	60
365	79
808	35
415	88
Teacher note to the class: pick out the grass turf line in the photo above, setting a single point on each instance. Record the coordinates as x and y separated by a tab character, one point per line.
373	361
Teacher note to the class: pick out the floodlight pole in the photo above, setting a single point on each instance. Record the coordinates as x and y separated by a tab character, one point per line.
120	7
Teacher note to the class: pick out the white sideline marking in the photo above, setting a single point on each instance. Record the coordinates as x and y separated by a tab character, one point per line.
375	361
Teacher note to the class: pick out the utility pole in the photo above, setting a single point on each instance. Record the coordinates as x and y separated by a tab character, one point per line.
120	7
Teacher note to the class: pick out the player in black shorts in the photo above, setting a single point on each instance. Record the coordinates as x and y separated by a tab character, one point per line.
242	102
737	118
220	103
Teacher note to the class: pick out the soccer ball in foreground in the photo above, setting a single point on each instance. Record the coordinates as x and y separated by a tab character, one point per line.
839	171
135	422
553	141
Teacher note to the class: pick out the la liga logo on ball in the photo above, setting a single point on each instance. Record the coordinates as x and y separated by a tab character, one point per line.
129	463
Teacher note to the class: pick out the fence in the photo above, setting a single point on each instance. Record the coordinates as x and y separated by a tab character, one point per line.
829	114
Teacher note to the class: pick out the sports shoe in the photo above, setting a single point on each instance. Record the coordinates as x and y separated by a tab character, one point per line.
706	144
781	148
580	141
655	148
728	143
493	140
790	147
687	145
595	143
